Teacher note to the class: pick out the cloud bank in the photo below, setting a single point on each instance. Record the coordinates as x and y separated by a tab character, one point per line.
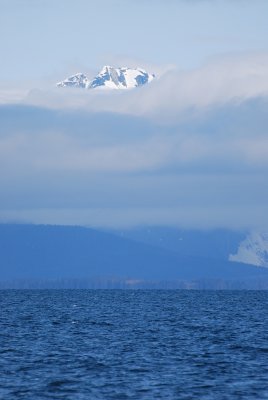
231	78
191	149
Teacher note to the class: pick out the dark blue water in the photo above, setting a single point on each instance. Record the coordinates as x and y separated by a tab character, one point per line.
112	344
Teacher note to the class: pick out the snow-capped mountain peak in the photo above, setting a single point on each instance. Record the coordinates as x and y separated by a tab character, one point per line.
121	78
110	78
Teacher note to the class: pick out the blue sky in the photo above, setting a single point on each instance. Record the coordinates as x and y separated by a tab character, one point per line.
41	38
190	149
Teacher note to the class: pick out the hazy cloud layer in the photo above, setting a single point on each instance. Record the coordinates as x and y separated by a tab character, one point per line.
191	149
173	93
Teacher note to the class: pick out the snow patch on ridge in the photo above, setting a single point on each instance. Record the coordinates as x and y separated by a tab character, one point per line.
253	250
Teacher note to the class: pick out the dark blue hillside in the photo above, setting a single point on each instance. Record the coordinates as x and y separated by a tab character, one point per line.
217	244
64	252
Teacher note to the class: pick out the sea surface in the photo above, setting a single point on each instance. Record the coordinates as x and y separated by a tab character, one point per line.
124	344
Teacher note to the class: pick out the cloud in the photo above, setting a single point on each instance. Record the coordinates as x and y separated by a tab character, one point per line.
175	91
70	167
223	80
191	149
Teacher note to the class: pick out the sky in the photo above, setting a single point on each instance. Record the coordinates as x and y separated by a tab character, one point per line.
190	149
43	38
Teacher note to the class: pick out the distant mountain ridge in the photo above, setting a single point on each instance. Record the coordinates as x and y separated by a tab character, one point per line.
110	78
243	247
30	254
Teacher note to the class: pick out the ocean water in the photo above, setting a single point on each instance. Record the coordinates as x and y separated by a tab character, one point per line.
112	344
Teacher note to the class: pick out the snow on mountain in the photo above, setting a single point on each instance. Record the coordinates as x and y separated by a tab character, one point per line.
253	250
78	80
110	78
121	78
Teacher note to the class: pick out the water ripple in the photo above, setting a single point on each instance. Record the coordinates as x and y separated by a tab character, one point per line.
83	344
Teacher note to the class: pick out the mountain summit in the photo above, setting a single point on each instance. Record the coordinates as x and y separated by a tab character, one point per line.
110	78
78	80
